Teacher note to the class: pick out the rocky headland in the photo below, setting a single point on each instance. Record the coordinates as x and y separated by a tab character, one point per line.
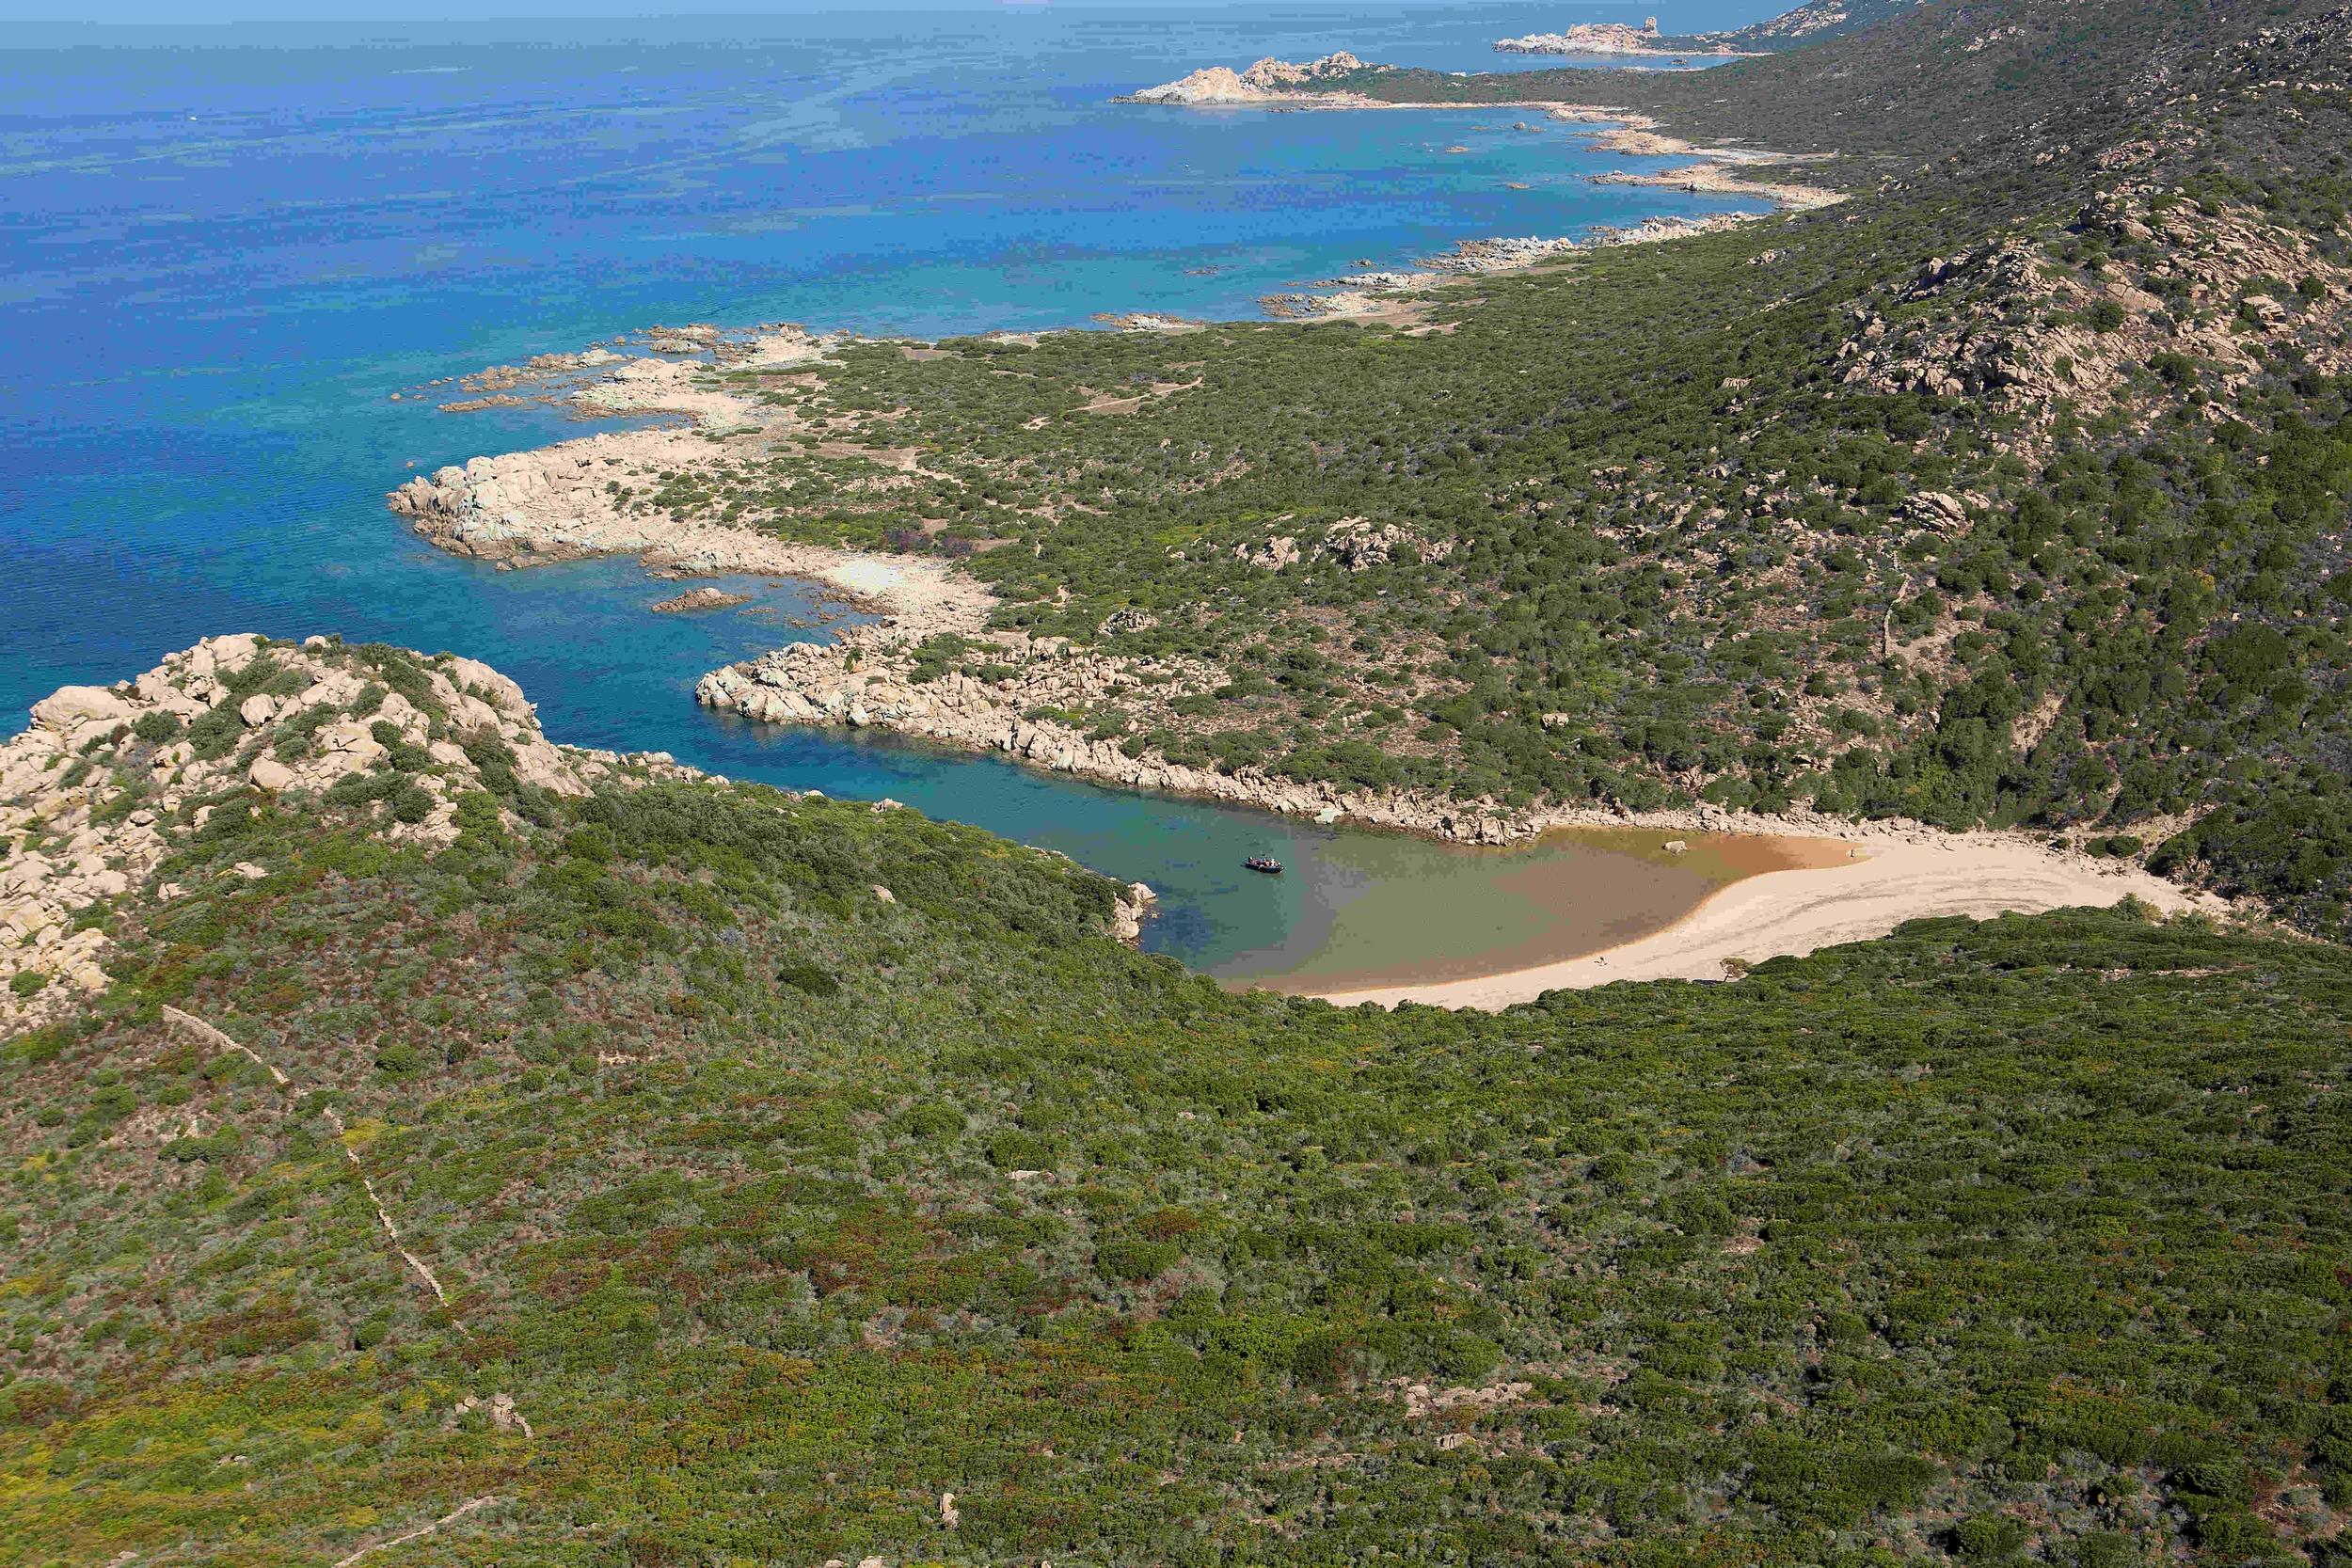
108	782
108	779
1268	81
591	495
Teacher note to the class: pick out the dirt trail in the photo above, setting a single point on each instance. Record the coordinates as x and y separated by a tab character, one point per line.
502	1405
450	1518
196	1025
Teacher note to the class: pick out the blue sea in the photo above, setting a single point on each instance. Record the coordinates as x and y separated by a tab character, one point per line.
224	248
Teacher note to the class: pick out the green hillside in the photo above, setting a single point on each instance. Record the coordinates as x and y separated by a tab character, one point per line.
767	1211
466	1152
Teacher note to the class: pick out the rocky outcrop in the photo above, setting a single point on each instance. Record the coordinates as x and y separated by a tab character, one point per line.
1271	73
2028	336
1268	81
1130	910
1357	544
1586	37
1608	38
1025	710
97	793
551	503
699	598
1212	85
570	500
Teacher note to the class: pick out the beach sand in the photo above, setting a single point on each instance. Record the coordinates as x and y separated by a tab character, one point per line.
1792	912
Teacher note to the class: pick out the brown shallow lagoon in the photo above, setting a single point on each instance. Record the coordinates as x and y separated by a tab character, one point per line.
1393	909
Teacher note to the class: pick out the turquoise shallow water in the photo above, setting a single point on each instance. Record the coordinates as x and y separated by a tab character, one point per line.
222	250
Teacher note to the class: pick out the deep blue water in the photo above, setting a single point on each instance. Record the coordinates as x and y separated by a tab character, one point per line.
222	249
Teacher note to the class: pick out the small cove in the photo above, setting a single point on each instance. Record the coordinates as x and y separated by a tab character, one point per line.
222	262
1392	915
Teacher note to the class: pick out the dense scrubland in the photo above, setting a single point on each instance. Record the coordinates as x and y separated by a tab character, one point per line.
694	1174
766	1210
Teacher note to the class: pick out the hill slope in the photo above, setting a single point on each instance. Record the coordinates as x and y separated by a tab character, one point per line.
626	1179
430	1146
1807	24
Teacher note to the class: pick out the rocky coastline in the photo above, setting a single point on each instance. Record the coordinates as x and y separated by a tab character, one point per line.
108	780
96	792
1716	171
1267	81
868	679
582	498
578	498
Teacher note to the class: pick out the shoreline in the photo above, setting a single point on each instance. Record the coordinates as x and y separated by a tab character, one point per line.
544	504
1627	131
1572	892
555	503
569	501
1915	875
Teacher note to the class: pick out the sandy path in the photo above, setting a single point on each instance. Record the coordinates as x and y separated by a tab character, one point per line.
1793	912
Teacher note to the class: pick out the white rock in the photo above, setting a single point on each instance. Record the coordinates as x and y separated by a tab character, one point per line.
270	774
233	653
501	691
69	707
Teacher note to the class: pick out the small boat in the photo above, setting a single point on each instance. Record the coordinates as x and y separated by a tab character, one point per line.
1266	864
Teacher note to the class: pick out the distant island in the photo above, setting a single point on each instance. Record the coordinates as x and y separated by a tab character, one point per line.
1612	38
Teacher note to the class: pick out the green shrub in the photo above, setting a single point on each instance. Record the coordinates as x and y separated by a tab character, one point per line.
932	1120
1014	1148
802	975
1988	1536
400	1059
411	805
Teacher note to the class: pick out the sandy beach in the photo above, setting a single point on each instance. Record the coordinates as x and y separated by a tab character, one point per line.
1793	912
